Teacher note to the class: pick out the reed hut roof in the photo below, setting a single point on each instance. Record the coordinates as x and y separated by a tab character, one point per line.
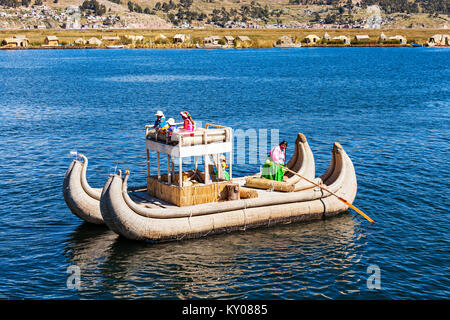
342	38
243	38
94	40
51	38
362	37
398	37
312	38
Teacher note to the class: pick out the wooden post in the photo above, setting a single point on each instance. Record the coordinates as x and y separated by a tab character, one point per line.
159	166
148	163
218	165
196	163
180	173
169	177
206	161
173	169
230	161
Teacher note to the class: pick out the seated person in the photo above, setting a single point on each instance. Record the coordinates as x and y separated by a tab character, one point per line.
188	123
160	123
223	162
172	127
272	168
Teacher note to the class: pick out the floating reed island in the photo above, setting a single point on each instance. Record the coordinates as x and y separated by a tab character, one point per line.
219	38
183	204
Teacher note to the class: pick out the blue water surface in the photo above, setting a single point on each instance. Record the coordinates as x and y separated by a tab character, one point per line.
388	107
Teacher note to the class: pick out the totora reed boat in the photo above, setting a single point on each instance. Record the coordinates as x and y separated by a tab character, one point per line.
204	203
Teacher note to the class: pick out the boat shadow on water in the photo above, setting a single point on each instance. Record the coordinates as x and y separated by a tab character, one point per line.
205	267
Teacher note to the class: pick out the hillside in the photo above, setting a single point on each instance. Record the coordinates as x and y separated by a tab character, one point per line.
228	13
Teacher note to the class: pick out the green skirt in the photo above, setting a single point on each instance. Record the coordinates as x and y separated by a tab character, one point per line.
272	171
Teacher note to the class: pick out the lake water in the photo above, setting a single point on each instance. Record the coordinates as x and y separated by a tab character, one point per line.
388	107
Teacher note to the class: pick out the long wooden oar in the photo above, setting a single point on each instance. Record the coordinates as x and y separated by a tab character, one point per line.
334	194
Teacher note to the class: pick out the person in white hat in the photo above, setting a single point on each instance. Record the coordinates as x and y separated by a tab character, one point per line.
160	123
172	127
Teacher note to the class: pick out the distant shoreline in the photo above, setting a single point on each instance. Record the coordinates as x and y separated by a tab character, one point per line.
260	38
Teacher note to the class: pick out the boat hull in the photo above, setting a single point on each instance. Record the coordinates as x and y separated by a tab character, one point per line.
287	46
137	222
82	200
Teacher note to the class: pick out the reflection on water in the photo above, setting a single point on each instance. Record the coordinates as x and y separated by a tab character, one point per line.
275	262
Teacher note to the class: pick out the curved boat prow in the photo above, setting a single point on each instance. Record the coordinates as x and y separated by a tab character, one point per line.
82	199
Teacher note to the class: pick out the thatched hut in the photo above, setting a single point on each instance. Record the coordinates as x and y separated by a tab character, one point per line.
439	40
180	38
229	40
243	39
284	40
345	39
400	38
312	39
362	37
212	40
51	41
94	41
16	41
80	41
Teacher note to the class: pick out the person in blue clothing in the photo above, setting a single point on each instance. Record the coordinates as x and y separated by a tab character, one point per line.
160	123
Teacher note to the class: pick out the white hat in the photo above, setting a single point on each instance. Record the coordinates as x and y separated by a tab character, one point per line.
222	157
159	113
171	122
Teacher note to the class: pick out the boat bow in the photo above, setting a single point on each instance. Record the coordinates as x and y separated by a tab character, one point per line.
80	197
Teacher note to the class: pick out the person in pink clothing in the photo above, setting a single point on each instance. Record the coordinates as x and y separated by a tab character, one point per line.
188	124
271	168
278	153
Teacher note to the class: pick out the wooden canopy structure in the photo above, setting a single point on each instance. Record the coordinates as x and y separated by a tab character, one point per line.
211	141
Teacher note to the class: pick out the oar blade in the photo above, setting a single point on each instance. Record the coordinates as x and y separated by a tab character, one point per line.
357	210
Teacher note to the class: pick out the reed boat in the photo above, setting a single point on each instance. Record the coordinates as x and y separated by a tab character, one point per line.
211	46
192	204
287	45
